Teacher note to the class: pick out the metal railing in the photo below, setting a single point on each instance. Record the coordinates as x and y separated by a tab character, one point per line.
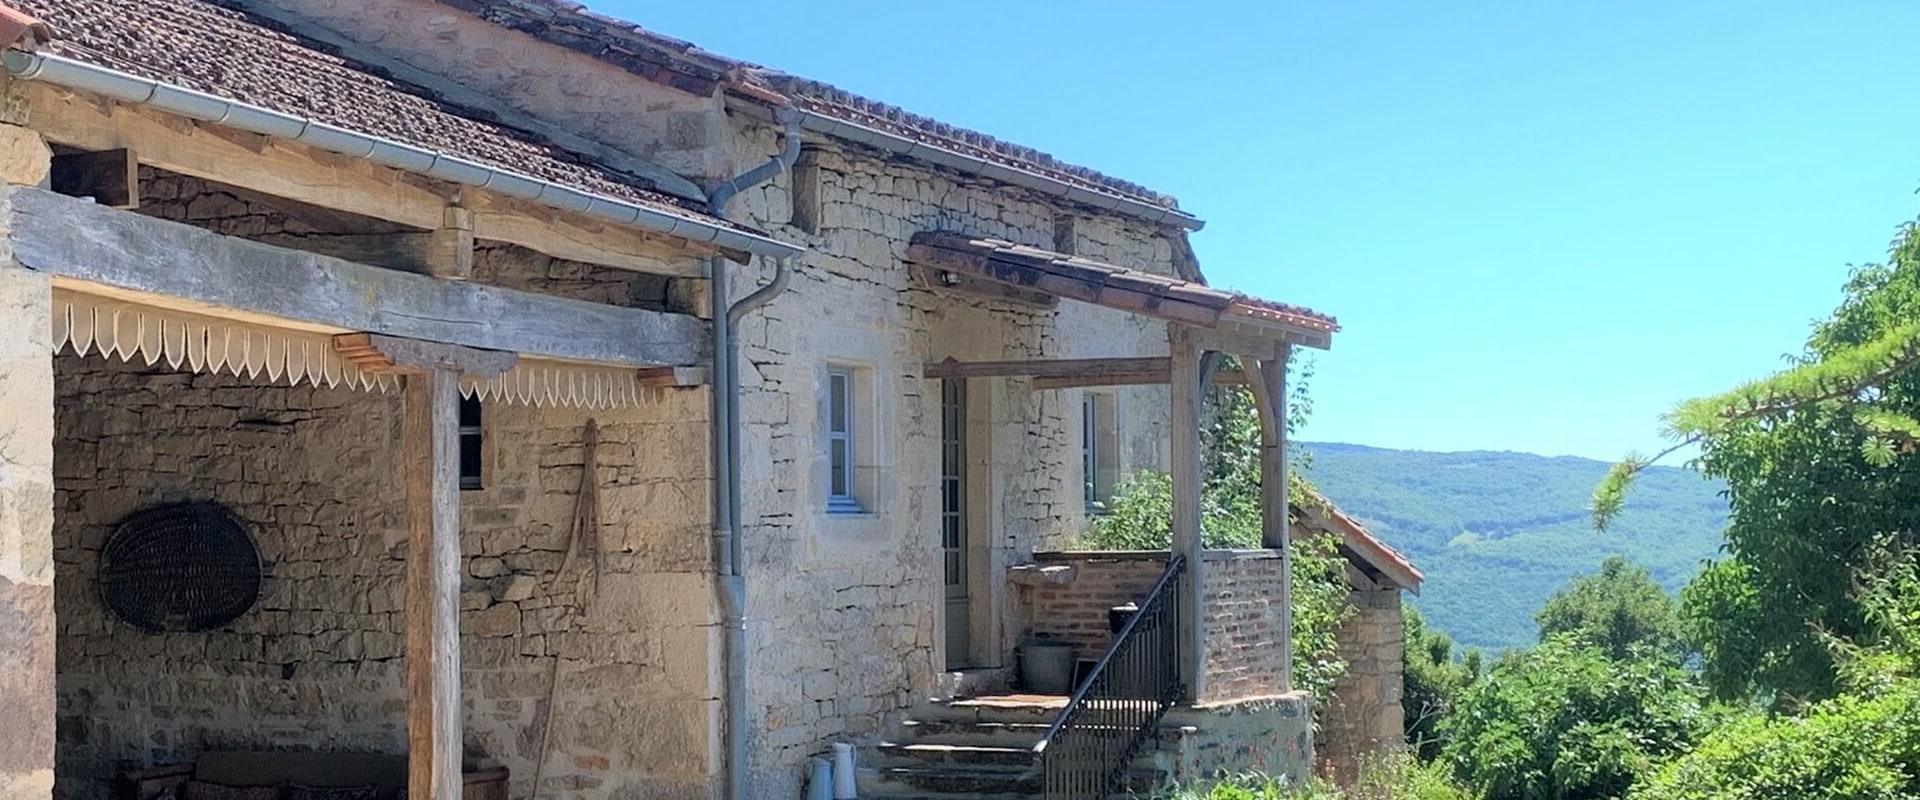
1088	752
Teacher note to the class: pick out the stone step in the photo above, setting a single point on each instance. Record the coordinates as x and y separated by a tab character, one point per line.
948	782
916	754
1016	710
974	732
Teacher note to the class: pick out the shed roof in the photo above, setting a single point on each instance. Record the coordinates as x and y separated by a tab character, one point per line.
1359	544
233	54
678	63
1132	290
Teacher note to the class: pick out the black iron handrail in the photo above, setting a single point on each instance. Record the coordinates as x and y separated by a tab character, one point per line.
1088	752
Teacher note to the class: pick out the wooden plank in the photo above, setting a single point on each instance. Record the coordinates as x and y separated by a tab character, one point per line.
577	237
121	250
939	280
432	456
1075	282
443	253
1234	342
373	352
1064	367
110	177
298	172
1184	421
1270	401
1221	377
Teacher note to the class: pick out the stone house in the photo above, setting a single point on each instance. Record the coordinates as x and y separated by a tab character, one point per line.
506	386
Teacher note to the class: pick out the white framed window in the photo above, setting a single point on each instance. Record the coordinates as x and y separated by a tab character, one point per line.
1099	448
842	412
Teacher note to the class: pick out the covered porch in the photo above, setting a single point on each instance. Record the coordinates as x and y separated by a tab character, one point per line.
472	568
1212	633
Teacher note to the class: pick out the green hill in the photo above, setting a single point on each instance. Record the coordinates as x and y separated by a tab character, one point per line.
1497	533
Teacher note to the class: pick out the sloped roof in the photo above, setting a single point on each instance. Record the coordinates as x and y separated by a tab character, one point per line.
678	63
207	47
1104	284
1358	543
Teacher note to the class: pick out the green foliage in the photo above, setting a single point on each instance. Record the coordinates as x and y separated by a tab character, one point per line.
1434	680
1498	533
1391	778
1616	610
1140	517
1848	748
1811	457
1565	721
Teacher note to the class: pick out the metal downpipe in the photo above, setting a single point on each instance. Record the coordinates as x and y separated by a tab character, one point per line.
729	532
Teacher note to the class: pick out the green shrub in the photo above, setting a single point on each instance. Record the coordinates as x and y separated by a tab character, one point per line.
1848	748
1565	721
1396	777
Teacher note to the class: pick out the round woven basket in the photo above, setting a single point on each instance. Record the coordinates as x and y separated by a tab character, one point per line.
180	567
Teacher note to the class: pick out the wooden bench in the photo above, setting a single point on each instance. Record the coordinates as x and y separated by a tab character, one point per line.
387	773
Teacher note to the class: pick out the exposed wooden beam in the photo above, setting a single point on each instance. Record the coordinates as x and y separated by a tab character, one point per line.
1238	343
1103	289
110	177
431	451
124	251
1061	367
373	352
1221	377
297	172
446	252
939	280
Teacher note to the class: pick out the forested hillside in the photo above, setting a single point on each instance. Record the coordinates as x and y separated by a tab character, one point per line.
1497	533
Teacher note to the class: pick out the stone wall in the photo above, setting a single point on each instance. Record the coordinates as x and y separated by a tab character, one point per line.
1269	735
1364	716
26	522
319	663
845	617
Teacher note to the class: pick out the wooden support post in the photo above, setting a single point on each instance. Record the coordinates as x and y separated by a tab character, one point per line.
431	451
1185	424
1270	397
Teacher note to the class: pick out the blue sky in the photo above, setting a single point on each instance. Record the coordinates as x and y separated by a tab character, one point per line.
1541	224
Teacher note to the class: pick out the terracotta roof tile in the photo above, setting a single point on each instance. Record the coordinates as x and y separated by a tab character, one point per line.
204	46
679	63
1360	542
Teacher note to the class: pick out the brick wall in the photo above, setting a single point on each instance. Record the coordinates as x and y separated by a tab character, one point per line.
1243	590
1364	716
319	662
1245	618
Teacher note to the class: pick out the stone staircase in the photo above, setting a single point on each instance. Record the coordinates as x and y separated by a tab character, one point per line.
982	749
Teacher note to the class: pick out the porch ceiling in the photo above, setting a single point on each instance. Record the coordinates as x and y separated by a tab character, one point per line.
1131	290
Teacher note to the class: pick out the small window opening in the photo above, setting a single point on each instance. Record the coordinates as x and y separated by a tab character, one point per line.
1099	450
840	415
470	460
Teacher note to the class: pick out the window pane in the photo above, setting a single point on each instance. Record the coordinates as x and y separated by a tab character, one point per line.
837	452
837	410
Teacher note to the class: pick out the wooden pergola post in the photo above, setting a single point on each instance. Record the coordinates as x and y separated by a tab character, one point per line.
1186	465
433	584
431	447
1269	383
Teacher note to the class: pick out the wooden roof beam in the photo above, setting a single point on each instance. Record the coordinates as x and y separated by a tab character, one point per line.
111	251
297	172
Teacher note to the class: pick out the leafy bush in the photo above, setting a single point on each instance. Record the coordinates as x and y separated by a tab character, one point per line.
1397	777
1847	748
1615	610
1565	721
1140	517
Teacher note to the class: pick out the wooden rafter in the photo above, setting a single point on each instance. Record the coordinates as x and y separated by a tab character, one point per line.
297	172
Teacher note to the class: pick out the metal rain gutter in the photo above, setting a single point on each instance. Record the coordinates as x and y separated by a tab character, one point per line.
386	152
862	134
